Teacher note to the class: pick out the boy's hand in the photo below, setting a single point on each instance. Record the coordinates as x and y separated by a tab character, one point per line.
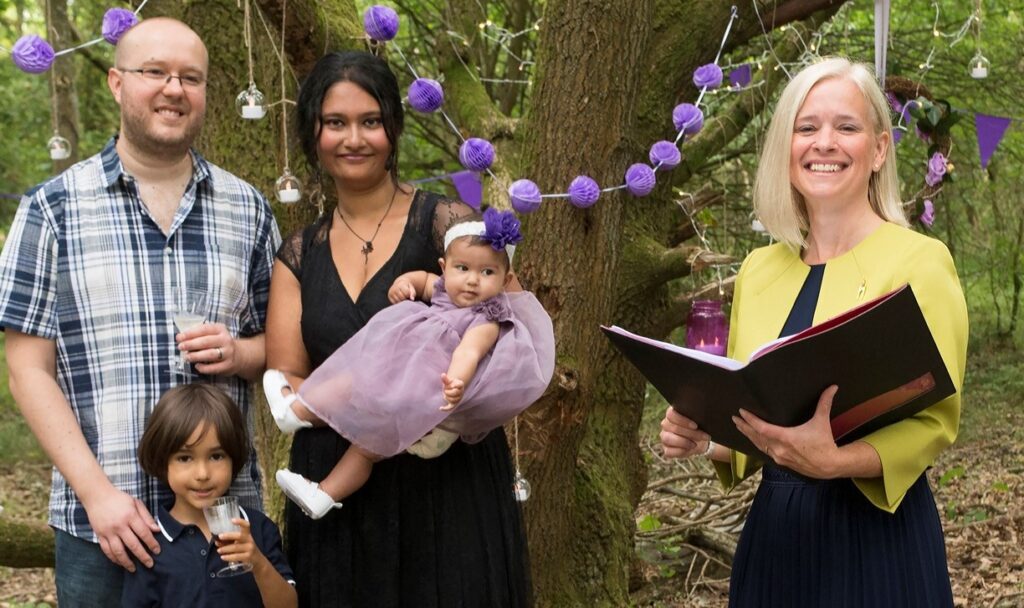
238	546
401	289
453	391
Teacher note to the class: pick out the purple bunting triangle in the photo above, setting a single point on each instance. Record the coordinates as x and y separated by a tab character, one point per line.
990	132
470	188
740	77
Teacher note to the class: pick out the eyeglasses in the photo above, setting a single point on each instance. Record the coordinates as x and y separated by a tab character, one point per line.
157	76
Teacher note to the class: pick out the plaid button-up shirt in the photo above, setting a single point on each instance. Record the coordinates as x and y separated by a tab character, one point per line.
86	265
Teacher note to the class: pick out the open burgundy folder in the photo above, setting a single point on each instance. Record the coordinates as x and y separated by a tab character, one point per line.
880	354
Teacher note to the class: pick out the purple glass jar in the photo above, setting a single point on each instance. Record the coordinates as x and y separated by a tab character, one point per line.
707	329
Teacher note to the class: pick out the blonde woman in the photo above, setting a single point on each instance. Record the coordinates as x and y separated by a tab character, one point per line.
858	526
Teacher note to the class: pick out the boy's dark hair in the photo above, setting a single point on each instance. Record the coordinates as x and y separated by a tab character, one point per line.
477	240
177	415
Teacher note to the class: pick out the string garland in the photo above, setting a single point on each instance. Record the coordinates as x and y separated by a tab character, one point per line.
34	55
381	24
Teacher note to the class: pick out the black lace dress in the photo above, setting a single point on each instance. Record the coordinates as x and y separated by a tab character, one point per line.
444	532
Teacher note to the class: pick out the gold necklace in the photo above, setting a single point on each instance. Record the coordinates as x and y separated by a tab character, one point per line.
368	243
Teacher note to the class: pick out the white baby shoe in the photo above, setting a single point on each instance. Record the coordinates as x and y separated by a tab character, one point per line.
313	501
281	405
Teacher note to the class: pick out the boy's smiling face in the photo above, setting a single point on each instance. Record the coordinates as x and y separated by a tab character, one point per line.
198	473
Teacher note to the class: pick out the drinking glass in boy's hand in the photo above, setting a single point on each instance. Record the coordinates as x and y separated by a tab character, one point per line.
238	548
222	516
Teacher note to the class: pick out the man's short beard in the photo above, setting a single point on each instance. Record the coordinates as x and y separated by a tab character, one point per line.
135	132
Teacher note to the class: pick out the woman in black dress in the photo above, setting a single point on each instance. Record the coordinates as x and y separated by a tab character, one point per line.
441	532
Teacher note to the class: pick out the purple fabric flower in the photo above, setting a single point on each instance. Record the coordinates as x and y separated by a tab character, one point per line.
687	118
380	22
116	22
936	169
32	54
494	309
501	228
927	217
709	75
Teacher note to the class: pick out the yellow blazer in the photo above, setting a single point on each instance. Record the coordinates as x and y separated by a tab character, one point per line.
889	257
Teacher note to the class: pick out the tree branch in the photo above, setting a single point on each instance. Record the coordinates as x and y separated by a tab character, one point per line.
724	127
25	544
776	14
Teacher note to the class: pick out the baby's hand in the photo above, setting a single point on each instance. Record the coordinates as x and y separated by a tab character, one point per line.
401	289
453	390
237	546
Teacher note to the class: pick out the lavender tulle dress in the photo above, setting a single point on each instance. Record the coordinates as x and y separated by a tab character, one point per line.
381	389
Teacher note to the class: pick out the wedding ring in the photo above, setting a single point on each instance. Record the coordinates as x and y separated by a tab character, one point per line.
220	354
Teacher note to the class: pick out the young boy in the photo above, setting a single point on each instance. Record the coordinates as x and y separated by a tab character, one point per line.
195	442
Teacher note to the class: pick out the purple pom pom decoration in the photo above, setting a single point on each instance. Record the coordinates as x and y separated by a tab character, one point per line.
583	192
425	95
476	154
709	76
640	179
380	22
665	155
688	118
116	22
525	196
32	54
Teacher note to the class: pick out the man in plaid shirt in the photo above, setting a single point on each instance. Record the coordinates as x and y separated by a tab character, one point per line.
88	278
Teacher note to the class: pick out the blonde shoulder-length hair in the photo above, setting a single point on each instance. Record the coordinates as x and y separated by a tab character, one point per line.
777	204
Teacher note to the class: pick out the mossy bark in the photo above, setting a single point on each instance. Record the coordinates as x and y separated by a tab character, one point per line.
25	544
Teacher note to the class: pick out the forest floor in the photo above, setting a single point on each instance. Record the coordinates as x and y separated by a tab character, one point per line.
978	484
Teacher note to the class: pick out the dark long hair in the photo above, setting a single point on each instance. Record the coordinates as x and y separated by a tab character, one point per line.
368	72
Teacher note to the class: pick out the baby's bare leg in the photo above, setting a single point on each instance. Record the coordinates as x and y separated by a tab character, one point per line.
349	474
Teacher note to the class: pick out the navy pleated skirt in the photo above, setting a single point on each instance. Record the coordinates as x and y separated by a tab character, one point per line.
810	543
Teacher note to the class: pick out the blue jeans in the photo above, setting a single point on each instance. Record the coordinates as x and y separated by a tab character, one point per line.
85	577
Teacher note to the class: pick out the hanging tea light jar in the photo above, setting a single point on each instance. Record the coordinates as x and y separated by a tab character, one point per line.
707	329
59	147
521	487
288	188
979	66
249	103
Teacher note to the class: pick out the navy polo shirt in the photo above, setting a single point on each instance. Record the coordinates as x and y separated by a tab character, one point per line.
184	573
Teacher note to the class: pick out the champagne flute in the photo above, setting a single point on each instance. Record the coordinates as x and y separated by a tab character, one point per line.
190	309
218	517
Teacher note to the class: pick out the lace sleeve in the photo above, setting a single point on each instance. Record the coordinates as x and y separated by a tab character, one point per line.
447	212
290	252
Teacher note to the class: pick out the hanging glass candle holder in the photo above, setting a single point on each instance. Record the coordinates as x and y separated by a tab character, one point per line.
707	328
979	66
249	103
288	188
521	487
59	147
